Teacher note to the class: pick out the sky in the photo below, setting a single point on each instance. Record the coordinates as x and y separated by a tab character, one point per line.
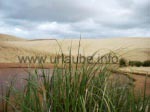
70	18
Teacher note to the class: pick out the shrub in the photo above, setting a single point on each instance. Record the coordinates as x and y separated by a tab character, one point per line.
138	63
146	63
131	63
122	62
135	63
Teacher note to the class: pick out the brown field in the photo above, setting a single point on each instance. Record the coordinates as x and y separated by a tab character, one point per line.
129	48
137	70
4	37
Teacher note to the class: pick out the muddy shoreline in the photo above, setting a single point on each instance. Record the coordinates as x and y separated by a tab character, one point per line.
19	74
9	71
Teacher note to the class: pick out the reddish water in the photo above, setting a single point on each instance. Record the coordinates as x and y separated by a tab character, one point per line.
19	75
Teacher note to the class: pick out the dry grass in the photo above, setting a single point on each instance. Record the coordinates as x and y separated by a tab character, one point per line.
9	53
129	48
4	37
137	70
144	69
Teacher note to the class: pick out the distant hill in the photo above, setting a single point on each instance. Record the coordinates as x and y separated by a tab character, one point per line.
5	37
129	48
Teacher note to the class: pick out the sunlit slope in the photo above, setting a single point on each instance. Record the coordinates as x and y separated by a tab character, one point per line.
5	37
9	53
129	48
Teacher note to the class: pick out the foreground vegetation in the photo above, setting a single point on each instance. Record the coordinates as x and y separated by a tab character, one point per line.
74	88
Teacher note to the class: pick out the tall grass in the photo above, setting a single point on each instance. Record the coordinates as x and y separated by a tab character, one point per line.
74	88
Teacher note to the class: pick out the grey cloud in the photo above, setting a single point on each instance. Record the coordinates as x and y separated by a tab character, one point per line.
67	18
143	12
48	10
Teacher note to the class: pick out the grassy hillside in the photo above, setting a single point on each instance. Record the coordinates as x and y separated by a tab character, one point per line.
9	53
129	48
5	37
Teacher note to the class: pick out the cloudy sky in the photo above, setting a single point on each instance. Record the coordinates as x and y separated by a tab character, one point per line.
69	18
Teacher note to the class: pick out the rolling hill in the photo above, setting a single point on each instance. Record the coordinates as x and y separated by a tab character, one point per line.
129	48
5	37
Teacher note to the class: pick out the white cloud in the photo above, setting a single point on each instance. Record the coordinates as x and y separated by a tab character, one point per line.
54	27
